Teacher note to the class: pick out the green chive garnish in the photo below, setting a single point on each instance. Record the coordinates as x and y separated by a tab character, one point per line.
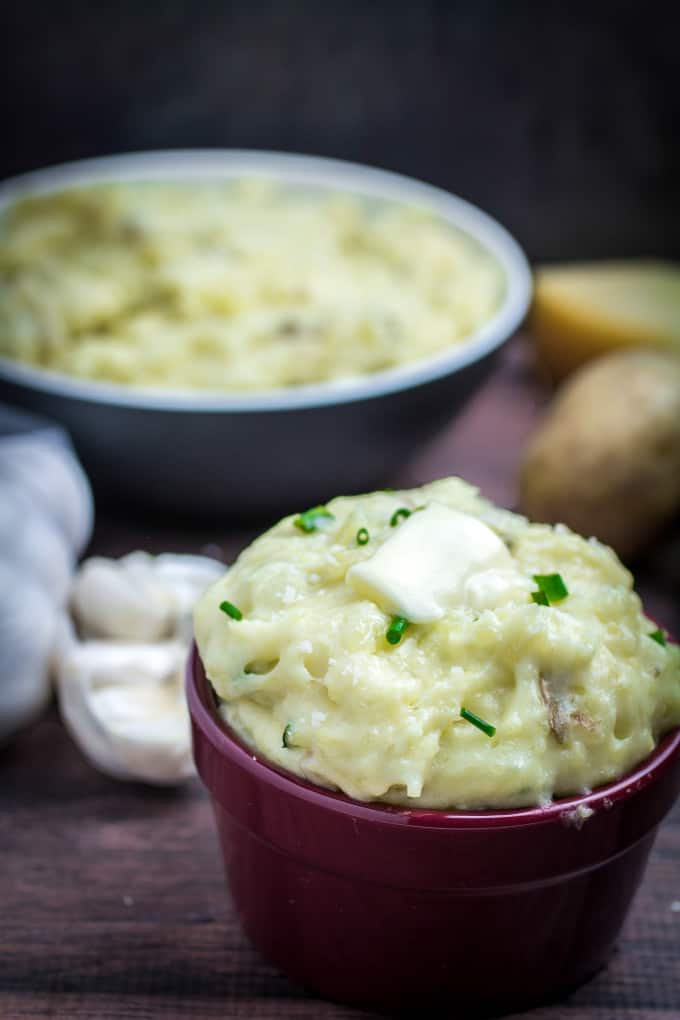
659	637
231	610
395	631
551	586
308	520
287	733
481	724
401	512
362	536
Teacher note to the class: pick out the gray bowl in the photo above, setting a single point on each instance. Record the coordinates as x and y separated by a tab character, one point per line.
233	455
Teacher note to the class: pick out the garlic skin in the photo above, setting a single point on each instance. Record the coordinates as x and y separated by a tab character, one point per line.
28	623
32	544
124	706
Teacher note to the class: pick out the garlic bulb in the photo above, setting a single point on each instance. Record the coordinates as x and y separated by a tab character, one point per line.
124	706
32	543
28	619
45	519
42	463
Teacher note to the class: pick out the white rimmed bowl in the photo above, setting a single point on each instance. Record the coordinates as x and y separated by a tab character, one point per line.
236	454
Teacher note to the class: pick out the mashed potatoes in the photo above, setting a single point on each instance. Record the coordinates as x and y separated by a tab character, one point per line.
233	287
307	641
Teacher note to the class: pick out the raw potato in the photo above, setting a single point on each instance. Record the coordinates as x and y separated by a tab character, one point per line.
588	309
606	460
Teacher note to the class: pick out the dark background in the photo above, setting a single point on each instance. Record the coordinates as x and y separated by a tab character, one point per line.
560	118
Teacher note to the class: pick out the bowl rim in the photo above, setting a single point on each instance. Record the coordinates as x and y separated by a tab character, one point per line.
298	169
564	811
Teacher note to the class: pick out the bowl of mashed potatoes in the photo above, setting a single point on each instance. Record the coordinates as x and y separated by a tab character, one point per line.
439	740
315	319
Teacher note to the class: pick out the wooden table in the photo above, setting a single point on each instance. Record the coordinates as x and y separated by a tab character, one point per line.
112	902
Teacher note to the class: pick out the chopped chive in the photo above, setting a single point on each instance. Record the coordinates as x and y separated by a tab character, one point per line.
308	521
231	610
481	724
362	536
395	631
658	636
287	732
540	598
552	586
401	512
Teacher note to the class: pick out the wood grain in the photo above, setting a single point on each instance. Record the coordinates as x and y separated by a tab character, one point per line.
113	905
111	895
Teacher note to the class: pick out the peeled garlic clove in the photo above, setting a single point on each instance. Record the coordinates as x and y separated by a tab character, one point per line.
122	599
32	543
28	622
124	706
43	463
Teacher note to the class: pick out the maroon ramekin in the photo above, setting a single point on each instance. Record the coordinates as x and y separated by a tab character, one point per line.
397	909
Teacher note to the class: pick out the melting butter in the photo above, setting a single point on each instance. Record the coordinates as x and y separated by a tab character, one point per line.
438	558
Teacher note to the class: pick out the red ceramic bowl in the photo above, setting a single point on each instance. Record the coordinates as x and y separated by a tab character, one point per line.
397	909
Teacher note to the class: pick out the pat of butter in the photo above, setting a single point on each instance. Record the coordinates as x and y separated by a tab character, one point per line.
436	559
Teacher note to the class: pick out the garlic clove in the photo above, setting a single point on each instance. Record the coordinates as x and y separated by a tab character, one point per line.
122	599
141	597
188	577
124	705
122	694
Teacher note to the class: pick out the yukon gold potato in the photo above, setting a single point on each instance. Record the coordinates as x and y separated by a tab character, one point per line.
587	309
426	648
606	460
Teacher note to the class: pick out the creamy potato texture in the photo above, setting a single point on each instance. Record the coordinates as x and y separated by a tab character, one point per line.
233	287
577	690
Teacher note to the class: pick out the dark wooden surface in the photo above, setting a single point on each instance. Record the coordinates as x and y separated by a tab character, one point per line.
112	902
